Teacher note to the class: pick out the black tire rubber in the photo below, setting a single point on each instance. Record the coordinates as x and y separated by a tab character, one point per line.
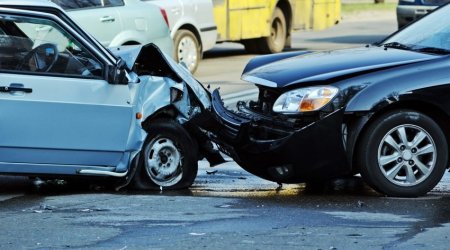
367	153
166	128
179	35
268	45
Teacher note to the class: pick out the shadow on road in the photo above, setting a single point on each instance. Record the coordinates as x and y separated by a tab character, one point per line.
353	186
223	52
361	39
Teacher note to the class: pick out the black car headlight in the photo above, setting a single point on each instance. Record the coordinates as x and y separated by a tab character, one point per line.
305	99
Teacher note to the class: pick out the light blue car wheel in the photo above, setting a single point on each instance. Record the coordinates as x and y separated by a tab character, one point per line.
168	159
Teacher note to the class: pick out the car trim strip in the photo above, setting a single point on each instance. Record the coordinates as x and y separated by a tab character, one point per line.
208	29
100	172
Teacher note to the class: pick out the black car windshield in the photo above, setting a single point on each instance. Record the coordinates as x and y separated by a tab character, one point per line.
429	35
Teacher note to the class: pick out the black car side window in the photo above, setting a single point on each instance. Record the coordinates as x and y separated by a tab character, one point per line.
41	46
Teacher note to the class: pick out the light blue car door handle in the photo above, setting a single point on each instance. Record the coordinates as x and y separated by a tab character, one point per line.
15	87
107	19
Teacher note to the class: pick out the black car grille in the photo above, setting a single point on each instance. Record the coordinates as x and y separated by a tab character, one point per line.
267	98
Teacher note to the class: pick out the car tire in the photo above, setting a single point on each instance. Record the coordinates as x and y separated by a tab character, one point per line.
187	49
403	153
276	41
168	159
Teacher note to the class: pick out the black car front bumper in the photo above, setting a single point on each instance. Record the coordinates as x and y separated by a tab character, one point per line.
275	150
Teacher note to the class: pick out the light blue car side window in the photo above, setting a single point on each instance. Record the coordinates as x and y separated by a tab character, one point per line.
34	45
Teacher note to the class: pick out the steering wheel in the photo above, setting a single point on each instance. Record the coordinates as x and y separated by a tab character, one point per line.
40	59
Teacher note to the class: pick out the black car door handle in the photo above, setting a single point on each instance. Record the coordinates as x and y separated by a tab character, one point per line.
15	89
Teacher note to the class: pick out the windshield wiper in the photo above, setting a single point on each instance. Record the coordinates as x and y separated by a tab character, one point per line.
397	45
433	50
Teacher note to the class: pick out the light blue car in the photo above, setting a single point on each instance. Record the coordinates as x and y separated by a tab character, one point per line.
70	107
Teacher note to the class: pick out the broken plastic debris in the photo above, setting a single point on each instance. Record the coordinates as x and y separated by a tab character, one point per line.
211	172
38	182
46	207
197	234
360	204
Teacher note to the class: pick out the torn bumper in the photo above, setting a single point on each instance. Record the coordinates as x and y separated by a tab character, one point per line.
275	151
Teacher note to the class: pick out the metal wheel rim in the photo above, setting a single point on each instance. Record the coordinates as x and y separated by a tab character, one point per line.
276	32
187	52
163	161
407	155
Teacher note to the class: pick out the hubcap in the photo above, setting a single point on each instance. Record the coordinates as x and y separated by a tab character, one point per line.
163	162
187	52
407	155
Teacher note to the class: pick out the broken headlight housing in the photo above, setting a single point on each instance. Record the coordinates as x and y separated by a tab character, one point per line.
305	99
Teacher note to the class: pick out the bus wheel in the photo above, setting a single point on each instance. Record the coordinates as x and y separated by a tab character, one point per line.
276	41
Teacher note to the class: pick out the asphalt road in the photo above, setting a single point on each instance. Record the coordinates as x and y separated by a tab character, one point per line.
228	208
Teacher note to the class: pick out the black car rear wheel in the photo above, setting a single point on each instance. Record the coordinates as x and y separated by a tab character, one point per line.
403	153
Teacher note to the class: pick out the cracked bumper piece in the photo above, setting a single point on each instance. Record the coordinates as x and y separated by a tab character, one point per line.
276	152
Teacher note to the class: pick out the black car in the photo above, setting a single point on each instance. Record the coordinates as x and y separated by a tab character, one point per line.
382	110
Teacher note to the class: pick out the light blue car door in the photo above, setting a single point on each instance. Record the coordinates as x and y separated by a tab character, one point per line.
57	111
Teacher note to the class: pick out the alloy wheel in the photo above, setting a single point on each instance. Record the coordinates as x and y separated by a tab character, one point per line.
407	155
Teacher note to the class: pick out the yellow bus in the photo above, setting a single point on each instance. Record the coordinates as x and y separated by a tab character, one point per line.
265	26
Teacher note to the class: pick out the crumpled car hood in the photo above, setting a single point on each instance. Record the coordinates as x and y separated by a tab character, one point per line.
325	66
150	60
128	53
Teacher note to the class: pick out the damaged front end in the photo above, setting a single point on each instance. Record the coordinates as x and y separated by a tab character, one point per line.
164	92
283	148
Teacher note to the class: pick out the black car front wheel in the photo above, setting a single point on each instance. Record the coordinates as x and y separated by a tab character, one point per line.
168	159
403	153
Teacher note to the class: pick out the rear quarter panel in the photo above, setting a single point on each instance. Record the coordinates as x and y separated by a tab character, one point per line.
196	13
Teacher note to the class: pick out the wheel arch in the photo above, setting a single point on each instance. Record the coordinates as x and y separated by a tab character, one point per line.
169	112
361	123
286	8
191	28
131	42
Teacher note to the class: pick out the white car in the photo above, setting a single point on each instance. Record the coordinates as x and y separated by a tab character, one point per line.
192	28
121	22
